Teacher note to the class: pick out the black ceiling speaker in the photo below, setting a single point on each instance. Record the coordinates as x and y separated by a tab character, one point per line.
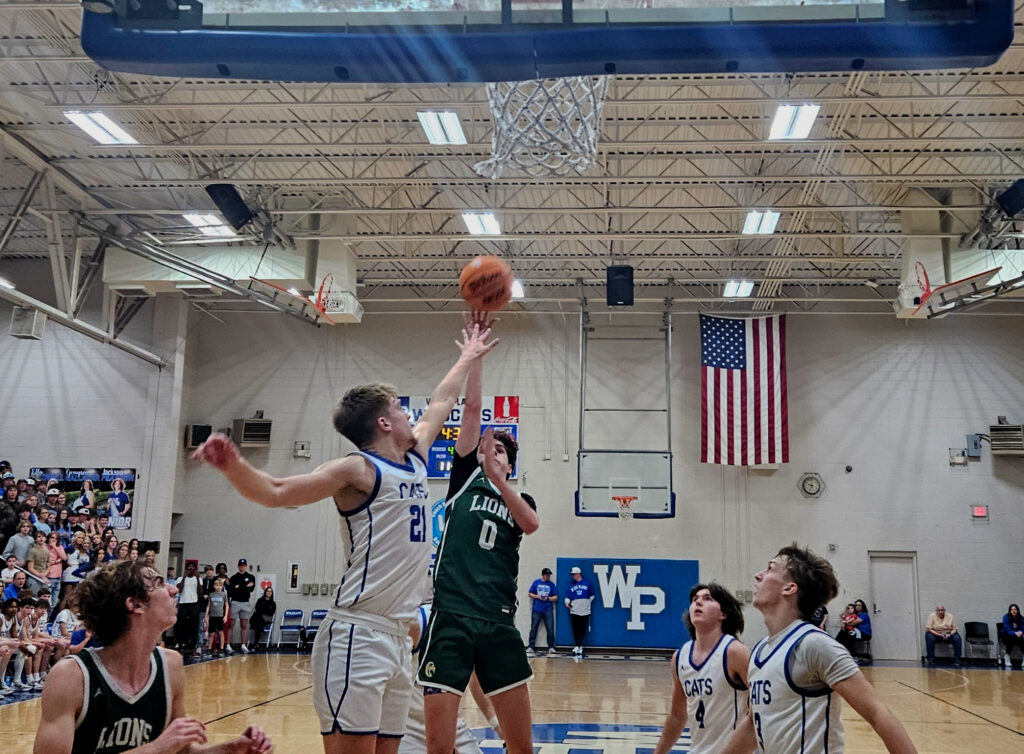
1011	201
619	285
231	204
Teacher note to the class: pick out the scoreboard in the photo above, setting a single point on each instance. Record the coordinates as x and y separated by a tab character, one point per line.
499	412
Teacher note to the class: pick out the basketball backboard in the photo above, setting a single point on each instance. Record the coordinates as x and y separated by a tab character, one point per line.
396	41
643	477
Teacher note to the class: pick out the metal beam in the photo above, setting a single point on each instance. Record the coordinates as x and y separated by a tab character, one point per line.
20	209
16	297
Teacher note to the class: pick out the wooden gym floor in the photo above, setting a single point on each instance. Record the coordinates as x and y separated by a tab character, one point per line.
946	711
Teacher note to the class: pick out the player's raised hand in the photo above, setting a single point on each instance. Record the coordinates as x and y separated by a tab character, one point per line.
218	451
474	343
485	320
182	733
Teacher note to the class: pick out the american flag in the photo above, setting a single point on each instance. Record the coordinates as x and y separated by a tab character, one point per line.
743	419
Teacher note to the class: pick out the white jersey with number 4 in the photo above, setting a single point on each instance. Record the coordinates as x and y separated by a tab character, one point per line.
386	542
791	676
714	702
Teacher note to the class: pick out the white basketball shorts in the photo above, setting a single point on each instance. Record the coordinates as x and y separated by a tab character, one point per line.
362	679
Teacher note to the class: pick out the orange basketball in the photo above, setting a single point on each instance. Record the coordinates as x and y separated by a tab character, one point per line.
486	283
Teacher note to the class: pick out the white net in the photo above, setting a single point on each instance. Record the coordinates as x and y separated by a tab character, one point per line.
625	506
544	127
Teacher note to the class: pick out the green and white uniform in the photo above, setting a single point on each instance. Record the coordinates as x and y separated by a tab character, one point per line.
472	624
111	721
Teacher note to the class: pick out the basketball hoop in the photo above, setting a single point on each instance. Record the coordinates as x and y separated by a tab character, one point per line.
913	292
625	506
544	127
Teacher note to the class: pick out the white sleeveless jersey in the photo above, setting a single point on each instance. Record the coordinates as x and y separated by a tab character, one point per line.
386	542
789	719
714	703
6	626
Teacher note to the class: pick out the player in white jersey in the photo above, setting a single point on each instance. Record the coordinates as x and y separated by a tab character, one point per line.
415	739
361	664
797	667
709	673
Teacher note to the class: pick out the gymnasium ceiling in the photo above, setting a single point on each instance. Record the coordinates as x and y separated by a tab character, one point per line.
682	159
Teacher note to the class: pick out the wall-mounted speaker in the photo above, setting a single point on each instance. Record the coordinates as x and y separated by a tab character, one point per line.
1011	201
196	435
619	285
231	204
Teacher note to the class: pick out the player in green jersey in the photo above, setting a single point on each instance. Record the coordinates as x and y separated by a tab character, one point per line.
472	623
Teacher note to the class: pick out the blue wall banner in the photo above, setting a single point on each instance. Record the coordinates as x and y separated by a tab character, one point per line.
638	603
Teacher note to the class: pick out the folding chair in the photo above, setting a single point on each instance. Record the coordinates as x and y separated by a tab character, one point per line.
316	617
291	623
976	635
268	631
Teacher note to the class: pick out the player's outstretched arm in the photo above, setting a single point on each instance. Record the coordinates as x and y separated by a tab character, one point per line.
738	662
674	723
273	492
862	697
474	345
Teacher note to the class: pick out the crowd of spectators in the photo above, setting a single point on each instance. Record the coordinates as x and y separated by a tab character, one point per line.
49	546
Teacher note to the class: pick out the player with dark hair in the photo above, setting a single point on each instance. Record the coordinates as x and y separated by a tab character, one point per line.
795	670
705	670
129	693
361	661
472	620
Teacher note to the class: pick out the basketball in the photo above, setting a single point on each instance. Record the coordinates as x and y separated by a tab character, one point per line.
486	283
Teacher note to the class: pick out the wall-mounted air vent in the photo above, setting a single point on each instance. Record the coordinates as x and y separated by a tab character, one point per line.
251	433
27	323
1007	439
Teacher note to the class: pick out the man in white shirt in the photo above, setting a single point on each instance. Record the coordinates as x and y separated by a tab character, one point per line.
186	630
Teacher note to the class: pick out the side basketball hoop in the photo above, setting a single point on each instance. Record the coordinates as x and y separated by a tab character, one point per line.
544	127
625	506
913	292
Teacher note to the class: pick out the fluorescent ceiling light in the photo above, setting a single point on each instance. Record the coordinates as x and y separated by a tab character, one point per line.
793	121
517	290
5	283
209	225
481	223
442	127
760	223
738	288
100	127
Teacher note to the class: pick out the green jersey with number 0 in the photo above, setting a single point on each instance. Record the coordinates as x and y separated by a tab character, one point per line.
477	569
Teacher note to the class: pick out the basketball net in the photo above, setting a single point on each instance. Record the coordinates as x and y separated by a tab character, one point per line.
913	292
625	506
544	127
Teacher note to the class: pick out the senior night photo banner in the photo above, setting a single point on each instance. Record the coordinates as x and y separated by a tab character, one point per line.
105	491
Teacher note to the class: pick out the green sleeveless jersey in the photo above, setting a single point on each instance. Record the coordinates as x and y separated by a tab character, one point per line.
110	721
476	572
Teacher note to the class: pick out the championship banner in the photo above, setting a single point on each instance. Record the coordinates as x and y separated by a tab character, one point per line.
499	412
637	603
104	491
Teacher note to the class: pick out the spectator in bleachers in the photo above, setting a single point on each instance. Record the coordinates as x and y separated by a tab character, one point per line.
55	567
16	587
8	481
25	488
77	563
76	522
21	543
38	562
8	520
44	516
53	498
133	555
122	551
1011	633
149	559
110	550
11	497
133	544
7	575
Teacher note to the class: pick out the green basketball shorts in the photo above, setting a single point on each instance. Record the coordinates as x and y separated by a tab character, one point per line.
455	646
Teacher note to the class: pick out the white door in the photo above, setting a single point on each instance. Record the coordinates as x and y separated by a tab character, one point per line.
896	634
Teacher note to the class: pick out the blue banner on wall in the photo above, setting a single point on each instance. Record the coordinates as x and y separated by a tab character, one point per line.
637	603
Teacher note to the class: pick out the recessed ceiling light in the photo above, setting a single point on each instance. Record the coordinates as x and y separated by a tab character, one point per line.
738	288
793	121
760	222
517	289
481	223
442	127
209	225
100	127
